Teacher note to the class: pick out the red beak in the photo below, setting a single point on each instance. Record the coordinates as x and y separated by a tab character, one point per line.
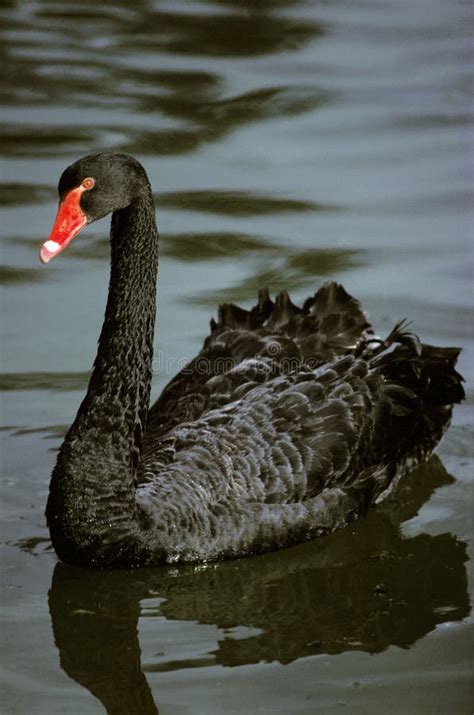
70	219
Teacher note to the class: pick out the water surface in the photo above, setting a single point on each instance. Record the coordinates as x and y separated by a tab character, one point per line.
287	142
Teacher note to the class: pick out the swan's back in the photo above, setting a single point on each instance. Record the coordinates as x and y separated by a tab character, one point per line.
289	423
250	347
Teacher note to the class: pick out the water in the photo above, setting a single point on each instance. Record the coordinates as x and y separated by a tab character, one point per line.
287	142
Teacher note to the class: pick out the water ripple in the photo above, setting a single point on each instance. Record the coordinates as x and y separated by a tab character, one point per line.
55	381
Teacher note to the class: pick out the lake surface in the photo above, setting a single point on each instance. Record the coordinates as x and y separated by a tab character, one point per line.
287	142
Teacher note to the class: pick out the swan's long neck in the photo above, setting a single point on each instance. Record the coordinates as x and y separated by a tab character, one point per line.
92	492
118	395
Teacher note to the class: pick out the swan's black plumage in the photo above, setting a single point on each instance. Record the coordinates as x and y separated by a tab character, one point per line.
289	424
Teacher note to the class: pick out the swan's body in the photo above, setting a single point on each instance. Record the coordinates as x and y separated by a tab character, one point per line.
288	425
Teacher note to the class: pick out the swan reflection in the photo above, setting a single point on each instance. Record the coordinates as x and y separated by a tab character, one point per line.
363	588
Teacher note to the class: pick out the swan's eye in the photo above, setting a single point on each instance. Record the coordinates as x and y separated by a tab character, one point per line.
88	183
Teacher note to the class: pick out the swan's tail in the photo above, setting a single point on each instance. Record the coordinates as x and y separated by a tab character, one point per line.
428	371
329	323
422	385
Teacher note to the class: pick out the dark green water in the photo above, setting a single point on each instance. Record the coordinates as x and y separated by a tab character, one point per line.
287	142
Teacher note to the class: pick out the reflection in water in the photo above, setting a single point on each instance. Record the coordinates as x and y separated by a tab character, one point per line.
55	432
14	194
96	633
236	203
247	29
193	105
33	140
11	275
363	588
295	270
212	121
57	381
217	245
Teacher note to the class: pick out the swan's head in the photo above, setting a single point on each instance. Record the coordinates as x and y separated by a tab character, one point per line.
89	189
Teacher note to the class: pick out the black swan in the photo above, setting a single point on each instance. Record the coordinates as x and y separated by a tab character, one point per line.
288	425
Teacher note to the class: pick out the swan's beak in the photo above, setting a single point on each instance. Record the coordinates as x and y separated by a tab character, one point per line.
70	219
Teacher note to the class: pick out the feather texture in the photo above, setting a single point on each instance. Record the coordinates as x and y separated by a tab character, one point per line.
289	423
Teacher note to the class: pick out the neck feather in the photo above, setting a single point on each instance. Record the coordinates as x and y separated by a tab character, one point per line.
94	478
119	390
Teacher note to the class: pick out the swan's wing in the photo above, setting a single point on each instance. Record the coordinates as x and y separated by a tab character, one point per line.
290	437
247	348
277	442
296	456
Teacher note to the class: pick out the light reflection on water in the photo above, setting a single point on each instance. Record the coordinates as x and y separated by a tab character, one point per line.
287	142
